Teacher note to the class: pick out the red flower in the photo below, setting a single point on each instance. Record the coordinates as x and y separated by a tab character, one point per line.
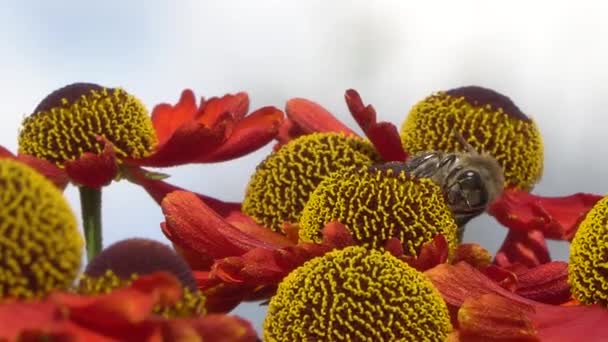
125	314
47	169
486	311
99	129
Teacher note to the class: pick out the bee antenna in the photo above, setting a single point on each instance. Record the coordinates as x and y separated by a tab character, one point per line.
464	143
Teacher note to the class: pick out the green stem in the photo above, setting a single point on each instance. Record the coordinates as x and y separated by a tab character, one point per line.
90	203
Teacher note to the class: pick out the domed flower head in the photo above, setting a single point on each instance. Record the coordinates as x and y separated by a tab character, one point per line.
356	294
91	130
588	266
282	183
40	242
487	120
377	204
124	261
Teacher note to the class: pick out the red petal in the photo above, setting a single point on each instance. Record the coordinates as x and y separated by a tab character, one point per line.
222	328
556	217
547	283
17	317
288	131
236	106
167	118
310	117
125	306
249	134
431	254
503	277
527	248
94	170
492	317
51	171
196	227
159	189
5	153
188	143
587	323
383	135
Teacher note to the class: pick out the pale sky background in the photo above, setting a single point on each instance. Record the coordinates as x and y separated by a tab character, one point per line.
549	57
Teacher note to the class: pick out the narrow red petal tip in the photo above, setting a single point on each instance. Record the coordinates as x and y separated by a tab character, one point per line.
523	248
383	135
94	170
167	118
306	117
556	217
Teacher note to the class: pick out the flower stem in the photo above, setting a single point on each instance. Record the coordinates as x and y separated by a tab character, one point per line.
90	203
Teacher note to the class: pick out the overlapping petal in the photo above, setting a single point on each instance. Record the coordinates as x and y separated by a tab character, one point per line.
125	314
47	169
480	301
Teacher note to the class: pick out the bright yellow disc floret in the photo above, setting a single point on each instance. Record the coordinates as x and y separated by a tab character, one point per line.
588	266
489	121
356	294
40	243
69	121
283	182
379	204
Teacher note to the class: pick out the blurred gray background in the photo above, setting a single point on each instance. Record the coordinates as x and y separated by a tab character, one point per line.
549	57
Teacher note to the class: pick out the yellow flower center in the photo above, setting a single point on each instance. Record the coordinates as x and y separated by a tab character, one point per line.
356	294
121	263
282	183
489	121
40	244
68	122
377	204
588	266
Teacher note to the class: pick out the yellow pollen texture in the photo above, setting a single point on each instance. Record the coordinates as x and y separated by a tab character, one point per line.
66	130
588	266
191	304
40	243
376	205
281	184
356	294
515	142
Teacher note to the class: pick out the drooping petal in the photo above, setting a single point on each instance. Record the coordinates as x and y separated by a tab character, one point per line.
556	217
188	142
383	135
249	134
310	117
94	170
17	317
211	110
523	248
193	225
167	118
546	283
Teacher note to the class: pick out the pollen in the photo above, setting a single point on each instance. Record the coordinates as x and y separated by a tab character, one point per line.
70	120
377	204
121	263
40	243
588	266
356	294
489	121
282	183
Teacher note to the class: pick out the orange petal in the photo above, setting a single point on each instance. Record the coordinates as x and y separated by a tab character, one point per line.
236	105
310	117
193	225
51	171
492	317
431	254
166	118
17	317
547	283
473	254
94	170
249	134
222	328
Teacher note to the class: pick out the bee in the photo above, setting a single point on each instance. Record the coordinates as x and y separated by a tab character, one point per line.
470	181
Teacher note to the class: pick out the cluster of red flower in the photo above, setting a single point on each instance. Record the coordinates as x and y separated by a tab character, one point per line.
342	242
